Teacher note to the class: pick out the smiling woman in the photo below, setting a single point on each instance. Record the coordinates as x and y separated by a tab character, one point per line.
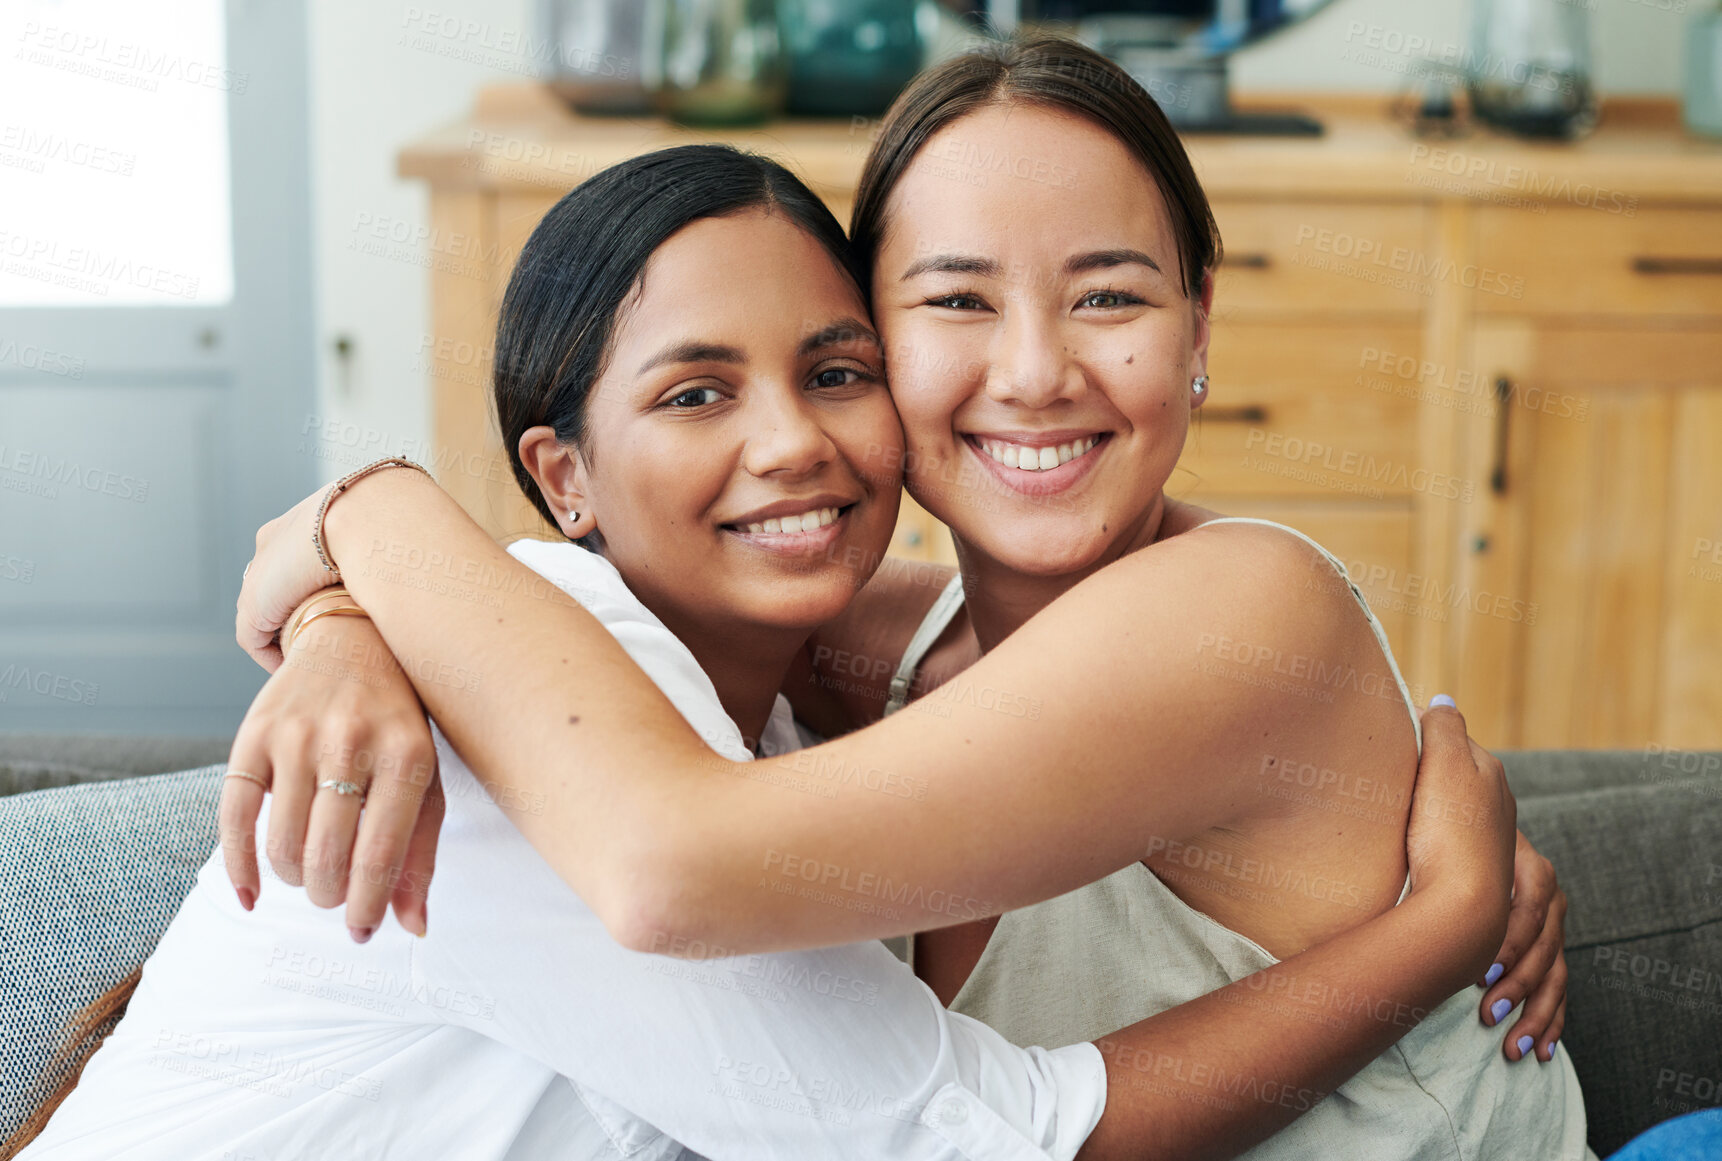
672	421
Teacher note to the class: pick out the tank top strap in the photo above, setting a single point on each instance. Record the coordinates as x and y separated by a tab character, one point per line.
1357	593
937	620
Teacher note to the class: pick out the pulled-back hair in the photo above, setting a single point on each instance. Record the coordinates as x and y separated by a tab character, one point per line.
577	271
1053	72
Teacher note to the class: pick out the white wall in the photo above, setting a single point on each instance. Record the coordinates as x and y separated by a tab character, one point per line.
378	80
384	73
1635	45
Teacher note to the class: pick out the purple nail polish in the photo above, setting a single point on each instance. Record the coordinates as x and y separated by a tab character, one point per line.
1525	1043
1443	699
1552	1044
1500	1008
1493	974
363	935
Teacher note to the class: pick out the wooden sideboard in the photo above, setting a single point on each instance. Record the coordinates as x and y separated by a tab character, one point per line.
1486	373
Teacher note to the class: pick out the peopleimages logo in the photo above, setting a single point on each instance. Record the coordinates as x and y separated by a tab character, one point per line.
36	358
1352	470
1520	179
1361	255
50	470
89	269
46	684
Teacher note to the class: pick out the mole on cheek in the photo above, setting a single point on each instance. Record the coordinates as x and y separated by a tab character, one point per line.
1130	358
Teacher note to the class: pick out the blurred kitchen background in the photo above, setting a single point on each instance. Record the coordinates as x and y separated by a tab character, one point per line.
248	246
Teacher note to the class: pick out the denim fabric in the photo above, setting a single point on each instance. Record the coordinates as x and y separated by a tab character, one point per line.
1694	1137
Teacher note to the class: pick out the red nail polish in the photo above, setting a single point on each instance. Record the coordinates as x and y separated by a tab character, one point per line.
247	897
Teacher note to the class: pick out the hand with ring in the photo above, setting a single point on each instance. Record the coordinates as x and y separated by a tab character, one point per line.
339	738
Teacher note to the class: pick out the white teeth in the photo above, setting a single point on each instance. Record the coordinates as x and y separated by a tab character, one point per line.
1036	459
806	522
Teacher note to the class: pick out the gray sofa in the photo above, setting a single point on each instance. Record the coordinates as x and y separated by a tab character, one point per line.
90	875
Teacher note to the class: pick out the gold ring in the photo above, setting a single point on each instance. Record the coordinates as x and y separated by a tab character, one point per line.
249	777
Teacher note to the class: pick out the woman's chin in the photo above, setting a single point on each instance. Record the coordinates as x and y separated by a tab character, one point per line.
801	605
1046	548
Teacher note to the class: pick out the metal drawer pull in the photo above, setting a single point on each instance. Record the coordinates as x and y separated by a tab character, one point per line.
1247	413
1253	260
1503	406
1649	264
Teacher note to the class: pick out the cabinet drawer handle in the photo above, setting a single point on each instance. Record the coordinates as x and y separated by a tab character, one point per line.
1503	398
1246	413
1651	264
1250	259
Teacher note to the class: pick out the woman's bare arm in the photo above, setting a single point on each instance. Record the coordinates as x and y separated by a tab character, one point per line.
931	815
1277	1037
1219	1073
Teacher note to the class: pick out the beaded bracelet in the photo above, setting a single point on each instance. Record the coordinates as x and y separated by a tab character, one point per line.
341	485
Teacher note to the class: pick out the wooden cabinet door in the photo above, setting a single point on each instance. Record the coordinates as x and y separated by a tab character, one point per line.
1593	609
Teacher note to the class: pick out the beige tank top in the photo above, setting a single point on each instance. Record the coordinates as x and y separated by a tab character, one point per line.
1124	948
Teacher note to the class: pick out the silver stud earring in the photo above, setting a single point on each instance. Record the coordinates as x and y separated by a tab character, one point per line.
1200	386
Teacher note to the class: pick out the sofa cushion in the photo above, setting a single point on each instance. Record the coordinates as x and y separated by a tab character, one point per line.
90	876
1642	868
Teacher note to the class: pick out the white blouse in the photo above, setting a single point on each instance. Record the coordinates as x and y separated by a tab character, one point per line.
518	1029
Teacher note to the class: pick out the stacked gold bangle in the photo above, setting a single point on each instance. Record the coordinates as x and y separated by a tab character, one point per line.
319	606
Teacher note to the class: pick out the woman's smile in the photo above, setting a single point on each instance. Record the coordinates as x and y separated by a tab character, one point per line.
794	527
1039	463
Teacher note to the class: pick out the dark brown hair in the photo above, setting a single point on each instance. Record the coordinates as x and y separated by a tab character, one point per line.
1056	73
84	1034
576	272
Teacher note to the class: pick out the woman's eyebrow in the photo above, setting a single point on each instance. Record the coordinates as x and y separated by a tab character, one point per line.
1102	259
694	351
843	330
951	264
